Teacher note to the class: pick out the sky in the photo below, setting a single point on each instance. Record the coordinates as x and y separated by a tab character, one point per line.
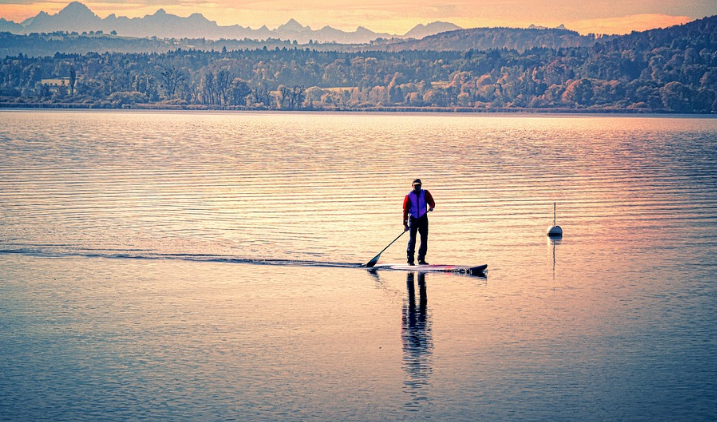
399	16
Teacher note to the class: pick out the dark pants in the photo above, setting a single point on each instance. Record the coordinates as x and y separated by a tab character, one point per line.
419	225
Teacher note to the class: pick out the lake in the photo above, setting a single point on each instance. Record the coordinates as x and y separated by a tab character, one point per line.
204	266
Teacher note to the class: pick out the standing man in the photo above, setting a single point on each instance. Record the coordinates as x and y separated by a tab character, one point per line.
416	206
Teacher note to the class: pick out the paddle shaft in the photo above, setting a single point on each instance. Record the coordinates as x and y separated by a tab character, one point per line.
373	262
394	241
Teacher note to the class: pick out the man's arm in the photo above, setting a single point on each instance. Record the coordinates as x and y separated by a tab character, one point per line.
406	207
430	201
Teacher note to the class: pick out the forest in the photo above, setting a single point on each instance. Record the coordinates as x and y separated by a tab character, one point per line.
664	70
47	44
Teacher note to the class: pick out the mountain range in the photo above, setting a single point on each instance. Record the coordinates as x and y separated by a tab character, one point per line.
76	17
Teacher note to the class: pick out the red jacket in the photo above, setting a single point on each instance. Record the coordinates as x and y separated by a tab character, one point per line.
407	205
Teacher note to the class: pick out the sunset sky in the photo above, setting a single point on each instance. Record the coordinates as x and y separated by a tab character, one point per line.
398	16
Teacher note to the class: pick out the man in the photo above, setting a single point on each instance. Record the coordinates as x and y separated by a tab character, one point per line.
416	206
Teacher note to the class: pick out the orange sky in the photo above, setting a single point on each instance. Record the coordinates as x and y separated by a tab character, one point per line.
398	16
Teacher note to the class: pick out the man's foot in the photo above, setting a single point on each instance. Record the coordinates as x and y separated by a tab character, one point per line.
422	262
411	263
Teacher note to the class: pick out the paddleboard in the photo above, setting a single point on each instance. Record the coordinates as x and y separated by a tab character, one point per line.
460	269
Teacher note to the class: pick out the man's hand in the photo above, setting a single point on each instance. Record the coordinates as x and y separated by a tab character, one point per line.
430	209
405	227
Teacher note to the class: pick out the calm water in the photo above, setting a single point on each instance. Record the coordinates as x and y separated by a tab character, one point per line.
200	266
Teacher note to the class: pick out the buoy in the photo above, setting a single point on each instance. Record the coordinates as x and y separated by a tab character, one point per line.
555	230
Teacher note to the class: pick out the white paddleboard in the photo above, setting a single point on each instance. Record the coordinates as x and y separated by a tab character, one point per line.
460	269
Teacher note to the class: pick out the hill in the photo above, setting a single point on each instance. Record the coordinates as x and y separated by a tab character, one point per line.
672	70
495	38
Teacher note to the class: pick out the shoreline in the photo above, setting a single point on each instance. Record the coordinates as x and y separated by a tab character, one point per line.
429	110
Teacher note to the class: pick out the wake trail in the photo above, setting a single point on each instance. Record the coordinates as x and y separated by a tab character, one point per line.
145	255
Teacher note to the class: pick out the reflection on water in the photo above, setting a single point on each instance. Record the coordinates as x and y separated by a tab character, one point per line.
263	186
178	326
417	342
553	242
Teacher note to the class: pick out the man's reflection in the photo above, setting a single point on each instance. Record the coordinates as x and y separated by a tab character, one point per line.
417	341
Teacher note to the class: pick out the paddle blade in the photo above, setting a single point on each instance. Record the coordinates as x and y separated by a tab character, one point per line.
373	262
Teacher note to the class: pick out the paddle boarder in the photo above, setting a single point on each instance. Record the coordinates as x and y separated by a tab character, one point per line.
416	206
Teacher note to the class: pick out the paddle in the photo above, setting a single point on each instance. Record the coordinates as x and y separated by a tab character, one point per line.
373	262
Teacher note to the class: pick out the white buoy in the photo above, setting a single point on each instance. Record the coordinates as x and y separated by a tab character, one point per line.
555	230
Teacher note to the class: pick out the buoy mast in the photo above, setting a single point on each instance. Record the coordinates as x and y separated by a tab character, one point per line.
555	230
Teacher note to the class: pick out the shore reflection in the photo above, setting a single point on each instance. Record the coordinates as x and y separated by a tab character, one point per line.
417	342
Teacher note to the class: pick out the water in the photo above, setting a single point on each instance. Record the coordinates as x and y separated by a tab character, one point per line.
202	266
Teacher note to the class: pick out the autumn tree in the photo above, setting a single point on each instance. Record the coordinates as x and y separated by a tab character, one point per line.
73	80
676	97
171	79
239	91
579	92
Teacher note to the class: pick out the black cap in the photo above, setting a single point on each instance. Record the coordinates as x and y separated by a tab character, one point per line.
416	182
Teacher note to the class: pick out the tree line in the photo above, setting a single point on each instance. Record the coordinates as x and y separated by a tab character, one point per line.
672	70
47	44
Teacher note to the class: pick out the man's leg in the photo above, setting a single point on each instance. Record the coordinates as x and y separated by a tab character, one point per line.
423	230
411	250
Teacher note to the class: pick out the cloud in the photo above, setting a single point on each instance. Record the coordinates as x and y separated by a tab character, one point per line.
25	2
443	11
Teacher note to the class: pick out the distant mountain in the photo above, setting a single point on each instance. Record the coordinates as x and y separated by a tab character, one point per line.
495	38
76	17
545	27
10	26
293	26
420	31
